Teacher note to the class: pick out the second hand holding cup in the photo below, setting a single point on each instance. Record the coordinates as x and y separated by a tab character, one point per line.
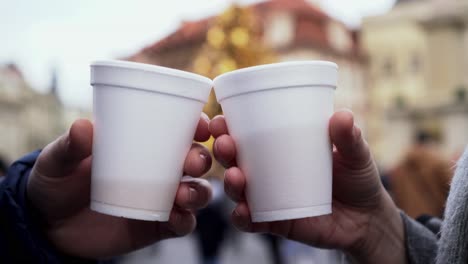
278	116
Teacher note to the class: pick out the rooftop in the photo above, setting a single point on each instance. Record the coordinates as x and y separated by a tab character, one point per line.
310	29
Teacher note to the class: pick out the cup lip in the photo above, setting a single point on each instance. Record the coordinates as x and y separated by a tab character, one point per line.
152	78
276	75
280	65
151	68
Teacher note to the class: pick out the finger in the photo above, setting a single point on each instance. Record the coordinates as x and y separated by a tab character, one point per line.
202	133
347	138
218	126
65	153
234	184
241	219
193	193
181	222
198	161
224	150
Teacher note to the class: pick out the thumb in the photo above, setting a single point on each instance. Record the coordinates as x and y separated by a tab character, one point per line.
348	140
65	153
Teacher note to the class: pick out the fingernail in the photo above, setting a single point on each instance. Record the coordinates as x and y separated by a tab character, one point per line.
356	132
236	214
215	146
204	157
193	194
176	218
241	223
227	187
225	173
205	116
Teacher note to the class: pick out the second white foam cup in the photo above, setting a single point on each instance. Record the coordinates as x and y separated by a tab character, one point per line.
278	115
145	120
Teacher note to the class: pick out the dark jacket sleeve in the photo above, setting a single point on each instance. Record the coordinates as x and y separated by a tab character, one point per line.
21	240
420	241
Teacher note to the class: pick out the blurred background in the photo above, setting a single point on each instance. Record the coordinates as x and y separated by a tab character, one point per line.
403	72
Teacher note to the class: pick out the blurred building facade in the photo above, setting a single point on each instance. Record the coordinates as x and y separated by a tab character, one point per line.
290	29
266	32
28	120
418	65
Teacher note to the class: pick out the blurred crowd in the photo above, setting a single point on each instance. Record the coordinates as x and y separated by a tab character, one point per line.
420	182
217	241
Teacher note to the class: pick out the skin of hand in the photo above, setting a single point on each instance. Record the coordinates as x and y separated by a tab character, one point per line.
365	223
58	192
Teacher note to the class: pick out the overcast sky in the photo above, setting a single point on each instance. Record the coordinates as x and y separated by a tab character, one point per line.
66	35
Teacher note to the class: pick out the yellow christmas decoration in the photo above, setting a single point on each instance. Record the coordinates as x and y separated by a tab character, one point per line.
226	65
239	37
203	65
216	37
232	42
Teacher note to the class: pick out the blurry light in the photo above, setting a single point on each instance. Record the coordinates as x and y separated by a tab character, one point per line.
229	15
239	37
202	65
215	37
227	65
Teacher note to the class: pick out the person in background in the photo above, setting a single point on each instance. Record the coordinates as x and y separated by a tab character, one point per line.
274	243
420	182
3	168
212	225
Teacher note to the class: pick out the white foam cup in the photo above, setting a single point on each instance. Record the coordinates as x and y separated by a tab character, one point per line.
145	120
278	115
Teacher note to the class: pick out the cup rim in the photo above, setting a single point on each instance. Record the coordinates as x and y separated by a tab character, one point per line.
151	78
276	75
151	68
271	66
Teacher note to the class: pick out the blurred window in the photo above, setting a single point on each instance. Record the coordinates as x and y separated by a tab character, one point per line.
388	67
280	30
415	63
